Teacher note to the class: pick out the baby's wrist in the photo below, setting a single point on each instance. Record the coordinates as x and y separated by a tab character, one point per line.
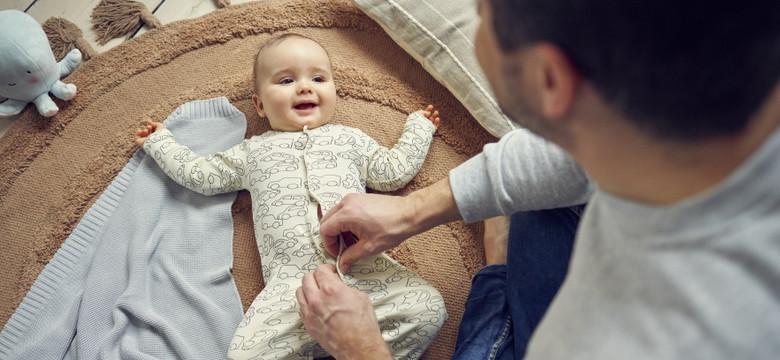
420	118
158	133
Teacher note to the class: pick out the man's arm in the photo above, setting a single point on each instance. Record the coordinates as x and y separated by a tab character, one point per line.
520	172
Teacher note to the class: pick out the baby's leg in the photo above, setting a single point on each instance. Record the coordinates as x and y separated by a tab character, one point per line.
272	327
410	311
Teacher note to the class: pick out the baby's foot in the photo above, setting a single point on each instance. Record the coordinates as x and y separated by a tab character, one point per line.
496	239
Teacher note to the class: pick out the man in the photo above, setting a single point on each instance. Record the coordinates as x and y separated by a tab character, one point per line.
672	109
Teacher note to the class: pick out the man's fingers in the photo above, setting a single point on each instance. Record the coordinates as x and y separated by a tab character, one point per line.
326	272
354	253
332	211
309	286
327	278
331	245
332	224
301	296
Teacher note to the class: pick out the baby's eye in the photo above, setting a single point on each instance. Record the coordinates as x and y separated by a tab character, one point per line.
319	79
286	81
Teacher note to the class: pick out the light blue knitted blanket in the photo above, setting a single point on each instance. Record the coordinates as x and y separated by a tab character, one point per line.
146	273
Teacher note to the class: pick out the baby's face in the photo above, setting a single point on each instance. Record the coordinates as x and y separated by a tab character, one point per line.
295	84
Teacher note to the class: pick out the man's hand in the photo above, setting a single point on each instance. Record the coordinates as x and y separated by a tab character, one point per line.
379	222
143	133
382	222
340	318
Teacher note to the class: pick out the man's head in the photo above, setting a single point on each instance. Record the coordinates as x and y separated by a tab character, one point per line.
294	83
682	70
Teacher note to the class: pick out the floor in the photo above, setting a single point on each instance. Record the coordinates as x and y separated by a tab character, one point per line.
78	12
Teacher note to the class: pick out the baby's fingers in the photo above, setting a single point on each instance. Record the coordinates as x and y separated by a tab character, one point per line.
426	112
434	117
430	114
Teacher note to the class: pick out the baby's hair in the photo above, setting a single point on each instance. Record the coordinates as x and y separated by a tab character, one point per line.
274	41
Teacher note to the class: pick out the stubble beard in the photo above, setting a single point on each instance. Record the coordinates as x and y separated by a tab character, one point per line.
516	107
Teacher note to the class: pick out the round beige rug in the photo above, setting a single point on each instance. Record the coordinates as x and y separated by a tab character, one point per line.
53	169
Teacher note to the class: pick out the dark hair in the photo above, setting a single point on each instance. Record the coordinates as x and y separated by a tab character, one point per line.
679	69
276	40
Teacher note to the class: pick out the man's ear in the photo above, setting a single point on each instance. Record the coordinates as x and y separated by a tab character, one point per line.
258	105
558	81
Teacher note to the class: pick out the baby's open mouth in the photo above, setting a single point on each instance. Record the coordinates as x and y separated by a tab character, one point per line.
305	106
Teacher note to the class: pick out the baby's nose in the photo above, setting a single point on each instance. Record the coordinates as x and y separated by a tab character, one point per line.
304	87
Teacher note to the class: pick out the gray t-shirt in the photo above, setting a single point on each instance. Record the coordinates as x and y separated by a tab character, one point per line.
696	280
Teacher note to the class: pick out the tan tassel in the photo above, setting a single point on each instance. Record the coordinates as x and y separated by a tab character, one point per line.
116	18
223	3
64	36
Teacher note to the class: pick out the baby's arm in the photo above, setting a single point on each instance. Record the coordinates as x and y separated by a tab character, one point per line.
391	169
209	175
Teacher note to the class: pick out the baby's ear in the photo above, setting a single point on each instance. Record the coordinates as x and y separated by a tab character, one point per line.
258	105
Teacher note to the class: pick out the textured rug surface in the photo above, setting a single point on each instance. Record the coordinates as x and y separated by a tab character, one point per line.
52	170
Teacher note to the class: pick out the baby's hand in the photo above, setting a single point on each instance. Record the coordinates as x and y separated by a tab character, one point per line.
143	133
431	115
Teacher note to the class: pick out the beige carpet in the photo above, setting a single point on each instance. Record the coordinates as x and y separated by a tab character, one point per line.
52	170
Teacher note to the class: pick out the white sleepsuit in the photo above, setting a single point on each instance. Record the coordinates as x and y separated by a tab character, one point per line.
290	174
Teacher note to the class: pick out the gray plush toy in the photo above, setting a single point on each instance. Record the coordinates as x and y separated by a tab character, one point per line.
28	69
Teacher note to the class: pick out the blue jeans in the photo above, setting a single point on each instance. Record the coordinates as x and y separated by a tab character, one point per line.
507	301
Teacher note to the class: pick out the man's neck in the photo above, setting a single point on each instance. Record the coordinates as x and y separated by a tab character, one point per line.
629	164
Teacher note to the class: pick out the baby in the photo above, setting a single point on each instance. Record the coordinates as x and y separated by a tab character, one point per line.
296	172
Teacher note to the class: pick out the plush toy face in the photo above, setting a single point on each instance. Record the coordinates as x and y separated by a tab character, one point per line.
27	65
